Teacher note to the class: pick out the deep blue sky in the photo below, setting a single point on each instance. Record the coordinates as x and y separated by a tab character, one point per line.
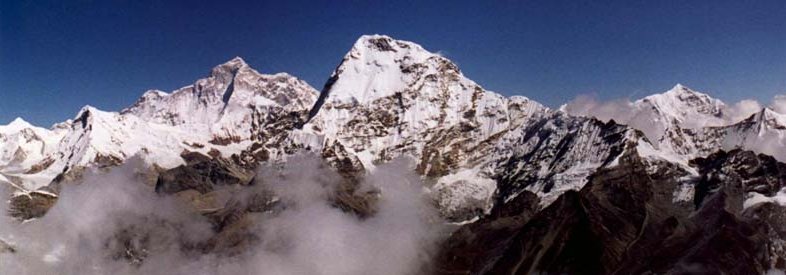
56	57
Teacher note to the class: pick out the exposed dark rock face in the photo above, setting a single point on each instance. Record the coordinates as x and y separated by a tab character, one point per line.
473	247
202	174
584	232
31	205
624	221
760	173
769	217
38	167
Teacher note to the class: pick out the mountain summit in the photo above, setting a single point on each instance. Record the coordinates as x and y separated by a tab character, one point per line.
686	107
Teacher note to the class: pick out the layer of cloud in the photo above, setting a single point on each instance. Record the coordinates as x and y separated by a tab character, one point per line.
778	104
83	231
620	110
742	110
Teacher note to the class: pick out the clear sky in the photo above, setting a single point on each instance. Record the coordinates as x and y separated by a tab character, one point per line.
56	56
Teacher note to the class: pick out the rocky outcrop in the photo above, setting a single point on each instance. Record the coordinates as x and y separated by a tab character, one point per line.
752	172
31	205
473	248
203	174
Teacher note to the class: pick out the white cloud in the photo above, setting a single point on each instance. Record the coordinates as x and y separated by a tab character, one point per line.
621	110
778	104
309	236
743	109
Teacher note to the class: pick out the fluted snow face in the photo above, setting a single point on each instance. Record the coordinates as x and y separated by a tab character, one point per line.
557	153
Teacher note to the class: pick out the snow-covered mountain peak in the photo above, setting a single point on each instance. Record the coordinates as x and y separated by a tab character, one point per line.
390	98
88	114
88	108
377	66
152	94
15	125
681	100
377	46
679	89
679	93
227	71
232	88
768	117
23	146
221	114
686	107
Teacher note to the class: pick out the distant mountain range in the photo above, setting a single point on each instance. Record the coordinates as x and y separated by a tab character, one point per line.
535	189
